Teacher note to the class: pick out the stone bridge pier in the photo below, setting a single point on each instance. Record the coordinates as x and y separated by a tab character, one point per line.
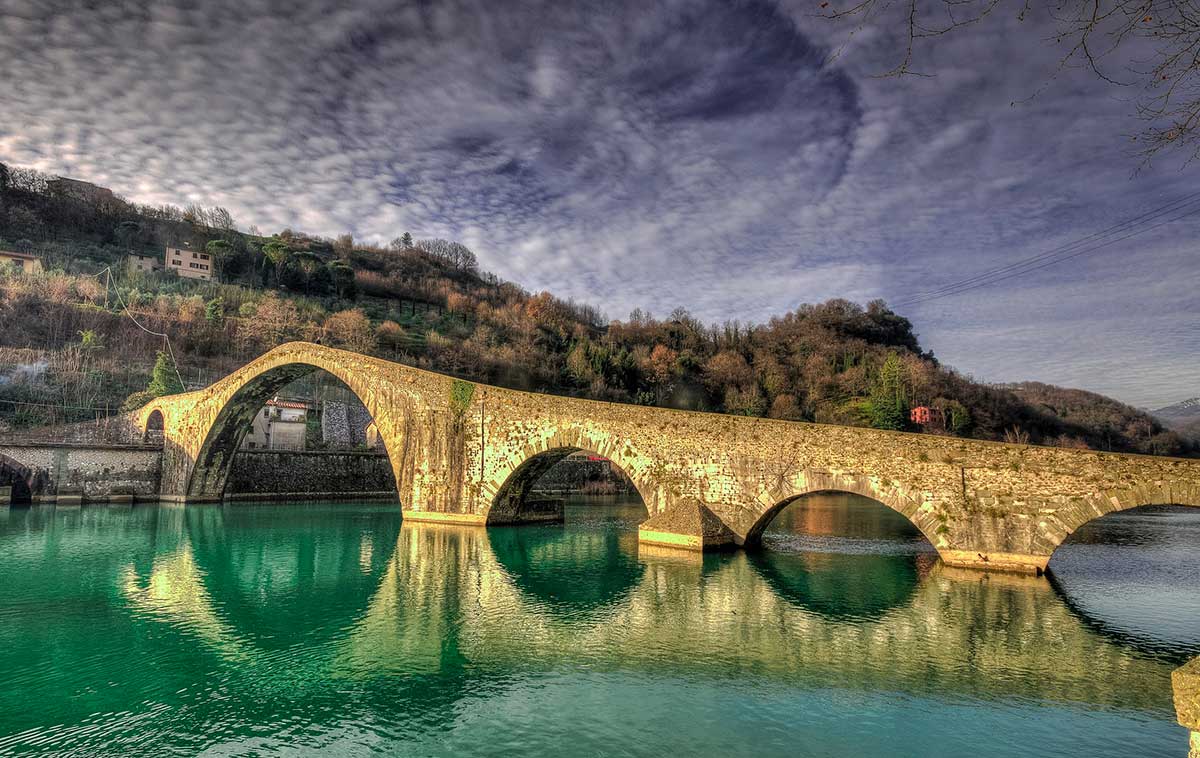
470	453
1186	684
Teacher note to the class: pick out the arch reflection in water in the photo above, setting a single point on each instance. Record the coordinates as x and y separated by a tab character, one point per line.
281	574
845	586
583	569
1133	576
843	556
447	653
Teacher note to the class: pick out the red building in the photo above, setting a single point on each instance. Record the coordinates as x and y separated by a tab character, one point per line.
923	415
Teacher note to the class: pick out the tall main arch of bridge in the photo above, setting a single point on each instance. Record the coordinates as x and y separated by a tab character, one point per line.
466	453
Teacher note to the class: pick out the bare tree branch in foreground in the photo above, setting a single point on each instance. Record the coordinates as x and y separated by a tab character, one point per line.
1091	32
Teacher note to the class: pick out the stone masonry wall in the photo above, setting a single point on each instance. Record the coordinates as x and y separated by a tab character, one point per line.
1185	682
333	474
574	474
67	473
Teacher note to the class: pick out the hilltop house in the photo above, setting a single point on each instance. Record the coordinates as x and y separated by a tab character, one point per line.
188	263
280	425
30	264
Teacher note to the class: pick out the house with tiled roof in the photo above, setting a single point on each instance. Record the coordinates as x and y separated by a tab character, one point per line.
281	425
25	262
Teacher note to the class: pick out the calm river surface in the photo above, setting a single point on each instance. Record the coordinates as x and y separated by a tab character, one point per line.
335	630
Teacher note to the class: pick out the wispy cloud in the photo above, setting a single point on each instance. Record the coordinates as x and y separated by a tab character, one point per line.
698	153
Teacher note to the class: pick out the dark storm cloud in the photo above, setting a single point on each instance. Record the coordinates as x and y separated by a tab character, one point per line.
700	153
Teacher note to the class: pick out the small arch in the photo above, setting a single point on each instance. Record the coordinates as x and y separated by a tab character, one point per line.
854	485
829	572
17	477
155	428
1084	512
514	501
580	571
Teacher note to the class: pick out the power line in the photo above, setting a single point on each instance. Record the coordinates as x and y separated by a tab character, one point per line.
1082	246
1147	216
1085	251
105	408
166	338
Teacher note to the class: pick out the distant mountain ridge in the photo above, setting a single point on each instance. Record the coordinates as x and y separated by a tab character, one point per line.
1182	415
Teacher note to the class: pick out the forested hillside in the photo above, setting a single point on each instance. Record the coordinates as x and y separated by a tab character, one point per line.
82	337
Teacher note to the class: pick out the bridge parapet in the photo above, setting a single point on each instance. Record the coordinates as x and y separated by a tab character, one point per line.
469	453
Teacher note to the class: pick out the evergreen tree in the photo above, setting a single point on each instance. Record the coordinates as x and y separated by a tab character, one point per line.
164	380
214	311
275	255
219	252
889	396
342	274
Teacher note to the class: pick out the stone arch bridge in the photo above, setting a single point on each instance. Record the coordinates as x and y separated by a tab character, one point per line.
468	453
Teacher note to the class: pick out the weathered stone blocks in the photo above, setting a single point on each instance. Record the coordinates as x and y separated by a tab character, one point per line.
77	473
1185	684
325	474
688	526
469	457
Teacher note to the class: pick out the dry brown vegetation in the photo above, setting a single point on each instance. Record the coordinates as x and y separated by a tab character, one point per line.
98	328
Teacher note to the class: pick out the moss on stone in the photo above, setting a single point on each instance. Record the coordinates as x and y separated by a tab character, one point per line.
461	393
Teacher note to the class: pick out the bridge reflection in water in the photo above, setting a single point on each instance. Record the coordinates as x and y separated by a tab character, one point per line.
204	622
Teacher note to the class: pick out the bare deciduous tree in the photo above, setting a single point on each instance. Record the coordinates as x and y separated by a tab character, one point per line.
1108	37
456	254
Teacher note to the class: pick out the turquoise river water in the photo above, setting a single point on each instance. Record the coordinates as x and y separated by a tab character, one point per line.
338	630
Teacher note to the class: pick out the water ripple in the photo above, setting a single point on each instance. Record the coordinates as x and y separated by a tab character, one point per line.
335	630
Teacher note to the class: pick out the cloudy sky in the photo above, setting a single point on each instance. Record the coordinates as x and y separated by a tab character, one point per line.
711	154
